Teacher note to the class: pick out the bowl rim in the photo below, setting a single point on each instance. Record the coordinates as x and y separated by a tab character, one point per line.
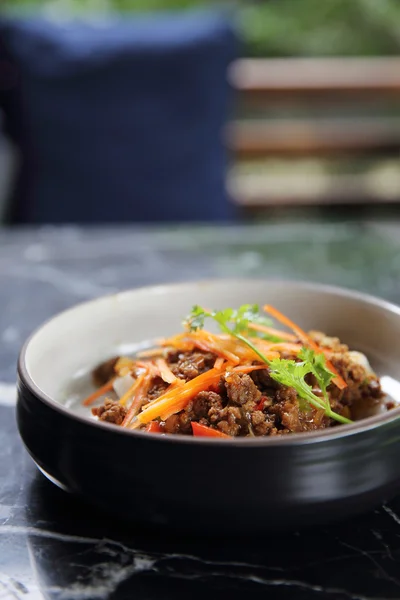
311	437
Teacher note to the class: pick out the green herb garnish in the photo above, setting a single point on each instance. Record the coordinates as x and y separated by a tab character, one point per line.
284	371
319	369
292	374
230	321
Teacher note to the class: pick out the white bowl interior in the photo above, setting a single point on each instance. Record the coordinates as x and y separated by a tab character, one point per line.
75	341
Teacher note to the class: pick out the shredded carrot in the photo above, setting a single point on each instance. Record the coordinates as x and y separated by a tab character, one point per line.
175	384
138	382
107	387
175	400
248	368
143	364
307	340
179	342
209	343
271	331
286	347
165	372
151	353
124	365
138	397
204	340
219	362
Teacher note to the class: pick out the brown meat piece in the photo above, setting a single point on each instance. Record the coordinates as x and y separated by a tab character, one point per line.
179	423
157	389
231	421
242	390
292	417
263	424
198	409
210	409
104	372
207	408
204	403
263	380
110	411
286	409
363	394
360	383
188	365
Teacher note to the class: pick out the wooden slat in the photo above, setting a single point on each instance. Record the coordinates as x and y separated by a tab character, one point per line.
294	138
257	190
270	79
340	195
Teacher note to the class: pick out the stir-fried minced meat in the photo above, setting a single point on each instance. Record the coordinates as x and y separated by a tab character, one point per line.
204	408
179	423
242	408
292	415
360	383
207	408
227	419
263	380
254	404
242	390
363	394
188	365
158	387
104	372
110	411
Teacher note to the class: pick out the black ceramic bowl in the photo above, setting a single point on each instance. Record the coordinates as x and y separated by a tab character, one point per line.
244	485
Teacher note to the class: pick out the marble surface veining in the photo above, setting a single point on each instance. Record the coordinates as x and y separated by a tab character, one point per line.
54	546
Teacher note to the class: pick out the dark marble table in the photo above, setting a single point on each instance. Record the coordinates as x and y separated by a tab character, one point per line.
54	546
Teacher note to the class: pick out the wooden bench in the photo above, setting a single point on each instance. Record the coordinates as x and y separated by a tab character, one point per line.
345	108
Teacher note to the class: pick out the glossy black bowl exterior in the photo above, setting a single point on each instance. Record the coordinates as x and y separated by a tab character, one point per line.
213	485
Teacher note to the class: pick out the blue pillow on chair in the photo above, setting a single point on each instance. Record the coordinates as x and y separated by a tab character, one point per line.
122	118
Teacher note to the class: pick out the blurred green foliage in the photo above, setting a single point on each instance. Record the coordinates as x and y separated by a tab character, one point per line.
278	27
323	27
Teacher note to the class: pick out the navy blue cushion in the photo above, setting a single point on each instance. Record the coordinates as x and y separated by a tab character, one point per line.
123	118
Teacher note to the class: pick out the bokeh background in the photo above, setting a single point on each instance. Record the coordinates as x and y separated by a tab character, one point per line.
127	110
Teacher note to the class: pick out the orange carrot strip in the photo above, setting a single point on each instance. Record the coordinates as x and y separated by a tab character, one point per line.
138	398
138	382
150	353
219	362
248	368
165	372
286	346
305	338
209	344
107	387
124	364
143	364
178	383
175	400
174	341
271	331
207	347
200	430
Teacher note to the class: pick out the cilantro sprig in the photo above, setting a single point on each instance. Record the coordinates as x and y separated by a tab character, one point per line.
231	321
236	322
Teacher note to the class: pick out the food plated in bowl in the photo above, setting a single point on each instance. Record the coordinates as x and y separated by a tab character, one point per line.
303	465
249	380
